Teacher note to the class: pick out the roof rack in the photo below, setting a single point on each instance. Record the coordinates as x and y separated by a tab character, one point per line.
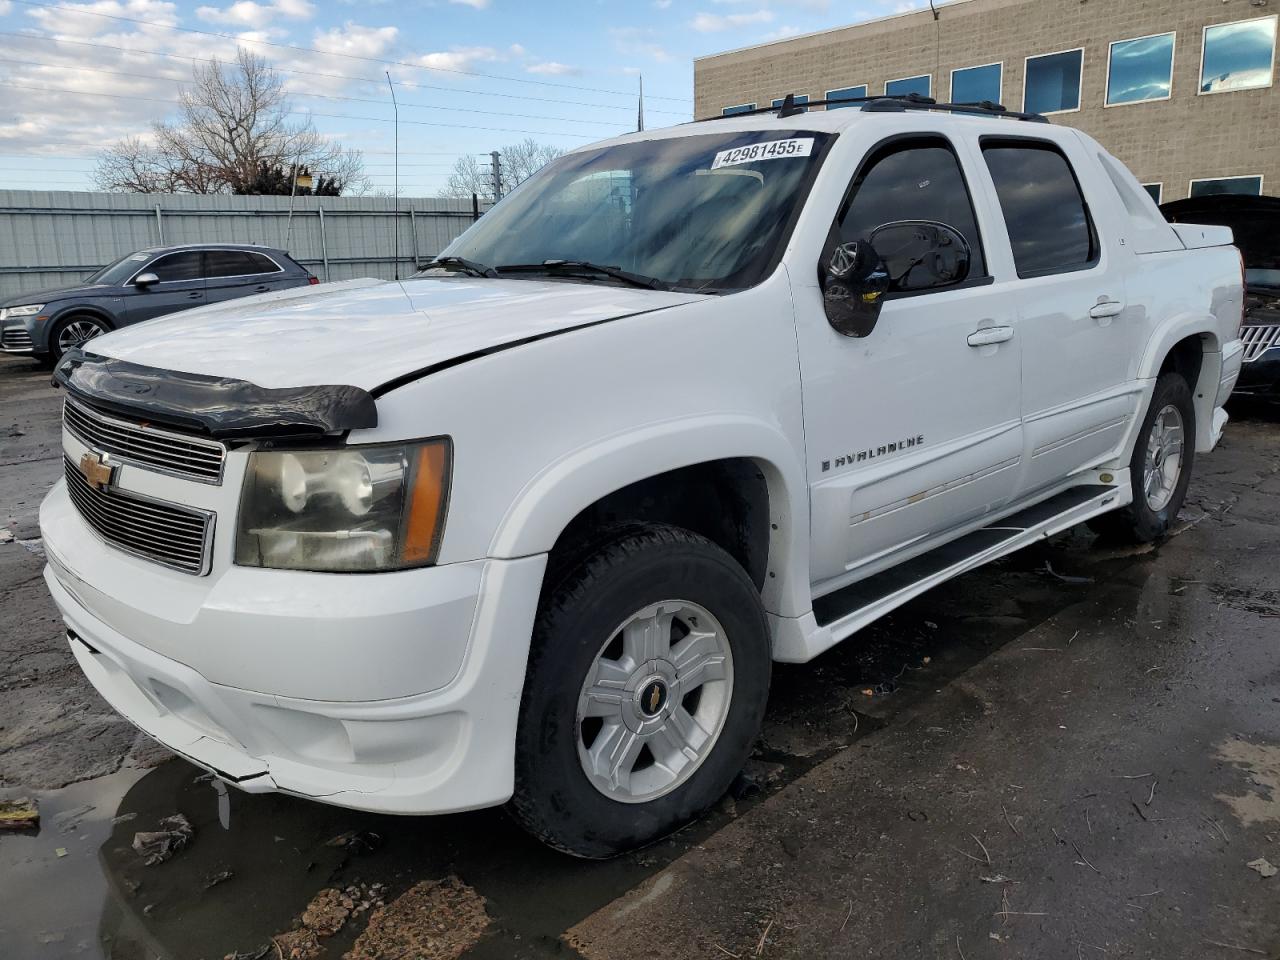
887	103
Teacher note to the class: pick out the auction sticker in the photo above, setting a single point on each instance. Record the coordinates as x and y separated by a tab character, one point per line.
773	150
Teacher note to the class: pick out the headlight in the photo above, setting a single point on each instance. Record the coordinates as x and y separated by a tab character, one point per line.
30	310
360	508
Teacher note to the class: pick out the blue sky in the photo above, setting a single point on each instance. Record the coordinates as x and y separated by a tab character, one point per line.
471	75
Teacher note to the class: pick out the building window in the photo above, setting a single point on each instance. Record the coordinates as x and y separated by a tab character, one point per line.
1238	56
847	93
1140	70
799	99
1216	186
1052	82
1044	211
1156	190
740	108
975	84
900	88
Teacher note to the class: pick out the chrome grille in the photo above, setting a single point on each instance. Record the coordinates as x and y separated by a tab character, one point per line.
15	338
165	533
176	454
1258	340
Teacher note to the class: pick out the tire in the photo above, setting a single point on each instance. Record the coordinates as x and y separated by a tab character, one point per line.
71	332
1148	518
609	614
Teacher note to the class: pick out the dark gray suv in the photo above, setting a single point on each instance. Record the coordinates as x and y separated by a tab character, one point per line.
143	285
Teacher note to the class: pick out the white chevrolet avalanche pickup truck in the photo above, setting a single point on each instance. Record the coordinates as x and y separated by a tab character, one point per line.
530	527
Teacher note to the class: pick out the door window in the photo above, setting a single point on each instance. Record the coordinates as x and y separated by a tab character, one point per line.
915	179
236	263
176	267
1044	210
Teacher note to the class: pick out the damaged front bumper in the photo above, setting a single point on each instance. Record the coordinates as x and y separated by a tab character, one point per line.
446	750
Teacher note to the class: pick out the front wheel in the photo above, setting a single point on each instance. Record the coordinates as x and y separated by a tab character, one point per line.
645	692
1160	468
72	332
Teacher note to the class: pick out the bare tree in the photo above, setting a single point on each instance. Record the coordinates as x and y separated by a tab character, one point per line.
232	121
520	161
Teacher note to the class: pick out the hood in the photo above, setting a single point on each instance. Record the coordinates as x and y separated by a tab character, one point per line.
52	296
368	333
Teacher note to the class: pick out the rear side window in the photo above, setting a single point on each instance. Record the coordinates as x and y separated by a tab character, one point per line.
1044	210
915	179
237	263
262	264
176	266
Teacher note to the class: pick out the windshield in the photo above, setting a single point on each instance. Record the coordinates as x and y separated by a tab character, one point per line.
709	212
120	271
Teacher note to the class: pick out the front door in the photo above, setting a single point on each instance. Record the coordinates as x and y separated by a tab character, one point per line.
914	430
180	287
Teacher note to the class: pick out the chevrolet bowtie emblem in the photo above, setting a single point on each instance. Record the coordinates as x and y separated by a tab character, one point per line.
655	698
98	473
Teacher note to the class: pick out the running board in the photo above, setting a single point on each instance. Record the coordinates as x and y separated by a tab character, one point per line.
848	610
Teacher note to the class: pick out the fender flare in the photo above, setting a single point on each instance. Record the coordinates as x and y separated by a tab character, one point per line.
62	312
567	486
1205	393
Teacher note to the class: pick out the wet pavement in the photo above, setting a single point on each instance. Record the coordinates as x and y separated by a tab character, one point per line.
1102	724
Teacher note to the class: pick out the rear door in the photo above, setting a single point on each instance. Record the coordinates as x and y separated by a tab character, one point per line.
240	273
1076	327
914	430
180	287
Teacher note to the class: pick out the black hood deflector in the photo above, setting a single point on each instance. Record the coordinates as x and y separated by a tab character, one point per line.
219	407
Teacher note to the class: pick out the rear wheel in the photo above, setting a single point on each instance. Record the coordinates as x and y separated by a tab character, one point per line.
645	691
72	332
1160	468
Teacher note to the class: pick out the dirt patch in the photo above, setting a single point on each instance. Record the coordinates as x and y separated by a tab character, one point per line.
324	916
434	920
1263	763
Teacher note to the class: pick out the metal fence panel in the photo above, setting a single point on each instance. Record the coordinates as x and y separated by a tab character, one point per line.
55	238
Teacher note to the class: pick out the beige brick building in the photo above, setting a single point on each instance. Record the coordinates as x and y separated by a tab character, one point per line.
1171	116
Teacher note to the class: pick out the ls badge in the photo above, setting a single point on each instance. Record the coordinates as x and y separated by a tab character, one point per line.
98	473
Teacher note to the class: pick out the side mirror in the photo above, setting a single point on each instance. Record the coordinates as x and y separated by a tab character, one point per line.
144	280
922	254
854	283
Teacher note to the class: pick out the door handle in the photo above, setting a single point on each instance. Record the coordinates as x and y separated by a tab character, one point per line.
194	295
261	288
1105	308
985	336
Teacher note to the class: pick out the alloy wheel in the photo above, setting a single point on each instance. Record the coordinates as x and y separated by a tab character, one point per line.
1163	465
654	701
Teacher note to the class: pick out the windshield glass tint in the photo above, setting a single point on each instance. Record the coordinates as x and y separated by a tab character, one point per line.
120	271
699	212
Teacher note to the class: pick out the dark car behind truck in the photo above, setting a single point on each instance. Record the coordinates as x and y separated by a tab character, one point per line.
142	286
1255	221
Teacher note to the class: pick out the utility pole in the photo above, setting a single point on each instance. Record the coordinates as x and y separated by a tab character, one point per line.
640	109
495	160
395	219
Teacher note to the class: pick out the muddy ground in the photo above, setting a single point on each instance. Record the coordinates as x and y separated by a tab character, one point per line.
1014	765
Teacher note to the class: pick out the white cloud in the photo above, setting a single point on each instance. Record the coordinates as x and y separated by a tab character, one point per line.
715	22
782	33
662	4
459	58
255	16
552	69
639	41
474	4
355	40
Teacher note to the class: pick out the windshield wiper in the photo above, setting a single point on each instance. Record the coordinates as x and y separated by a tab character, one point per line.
556	266
470	267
